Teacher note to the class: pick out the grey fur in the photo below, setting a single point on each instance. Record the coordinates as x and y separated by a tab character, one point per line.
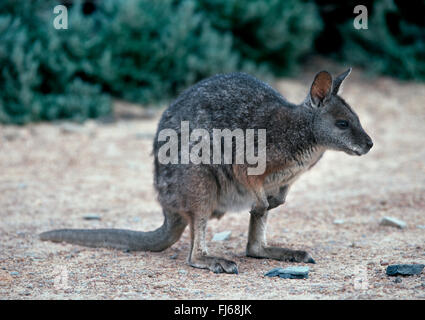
297	137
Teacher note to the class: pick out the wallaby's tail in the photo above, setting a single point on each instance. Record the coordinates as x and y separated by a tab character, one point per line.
157	240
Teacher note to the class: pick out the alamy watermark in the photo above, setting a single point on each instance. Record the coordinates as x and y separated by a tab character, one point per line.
61	20
249	147
360	21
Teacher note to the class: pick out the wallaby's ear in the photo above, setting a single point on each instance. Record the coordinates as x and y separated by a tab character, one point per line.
321	88
339	80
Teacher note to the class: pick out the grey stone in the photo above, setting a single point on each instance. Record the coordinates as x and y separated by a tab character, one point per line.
289	273
92	217
14	273
398	280
393	222
68	127
338	221
222	236
421	226
404	269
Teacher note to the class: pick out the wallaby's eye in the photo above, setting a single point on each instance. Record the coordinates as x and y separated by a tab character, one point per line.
342	124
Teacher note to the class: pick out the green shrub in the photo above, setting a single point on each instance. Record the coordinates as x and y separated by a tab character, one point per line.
153	49
272	32
40	78
140	50
393	44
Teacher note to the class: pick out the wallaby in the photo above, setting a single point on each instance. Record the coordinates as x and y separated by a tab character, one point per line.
297	136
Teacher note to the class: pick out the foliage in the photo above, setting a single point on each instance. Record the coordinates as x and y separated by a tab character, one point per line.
393	44
146	51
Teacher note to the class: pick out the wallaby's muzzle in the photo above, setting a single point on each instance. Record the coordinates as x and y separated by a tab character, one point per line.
365	148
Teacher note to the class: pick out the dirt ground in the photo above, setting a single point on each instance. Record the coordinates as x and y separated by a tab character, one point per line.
52	175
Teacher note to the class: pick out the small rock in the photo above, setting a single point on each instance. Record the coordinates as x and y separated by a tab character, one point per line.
384	263
404	269
68	127
14	273
289	273
338	221
92	217
174	256
392	222
421	226
222	236
398	280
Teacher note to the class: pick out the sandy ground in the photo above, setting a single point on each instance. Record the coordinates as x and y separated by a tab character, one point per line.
52	175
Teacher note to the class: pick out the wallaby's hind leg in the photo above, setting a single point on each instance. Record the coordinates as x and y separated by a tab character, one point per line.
257	242
198	256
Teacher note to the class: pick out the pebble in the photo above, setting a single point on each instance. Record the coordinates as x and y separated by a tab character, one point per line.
421	226
404	269
14	273
392	222
222	236
68	127
338	221
398	280
92	217
289	273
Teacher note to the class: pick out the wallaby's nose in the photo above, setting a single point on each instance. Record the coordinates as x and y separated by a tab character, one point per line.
369	144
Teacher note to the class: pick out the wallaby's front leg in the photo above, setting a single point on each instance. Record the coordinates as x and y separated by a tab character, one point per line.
198	256
276	200
261	205
257	244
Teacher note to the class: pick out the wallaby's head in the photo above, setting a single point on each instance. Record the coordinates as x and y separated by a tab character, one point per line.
336	126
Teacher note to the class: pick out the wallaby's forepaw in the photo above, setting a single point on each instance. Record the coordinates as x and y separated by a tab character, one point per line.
216	265
303	256
282	254
259	210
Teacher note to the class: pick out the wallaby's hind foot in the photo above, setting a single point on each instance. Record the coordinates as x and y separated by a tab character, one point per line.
215	264
257	244
282	254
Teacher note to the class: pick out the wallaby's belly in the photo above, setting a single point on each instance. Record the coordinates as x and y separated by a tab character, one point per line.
235	198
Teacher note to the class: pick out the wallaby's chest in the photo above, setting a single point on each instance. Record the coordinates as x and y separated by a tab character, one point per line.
293	170
238	198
